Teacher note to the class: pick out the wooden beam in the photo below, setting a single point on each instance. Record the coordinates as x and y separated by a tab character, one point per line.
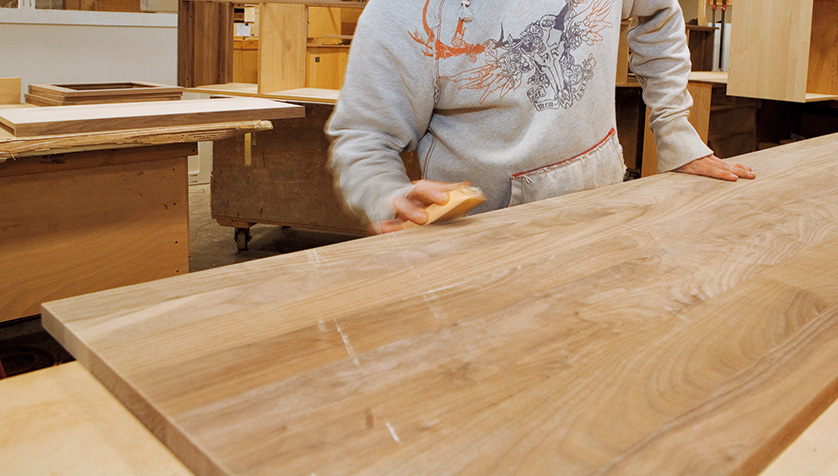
16	147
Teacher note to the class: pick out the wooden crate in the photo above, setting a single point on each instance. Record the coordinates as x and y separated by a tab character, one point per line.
785	50
280	177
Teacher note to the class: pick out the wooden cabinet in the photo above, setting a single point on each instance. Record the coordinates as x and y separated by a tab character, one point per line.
785	50
304	45
245	60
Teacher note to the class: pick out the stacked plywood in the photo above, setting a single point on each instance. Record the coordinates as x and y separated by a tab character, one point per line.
100	93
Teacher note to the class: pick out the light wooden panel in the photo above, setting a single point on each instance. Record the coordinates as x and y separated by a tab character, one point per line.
812	453
246	60
108	117
326	66
79	230
61	421
669	325
9	90
769	49
282	47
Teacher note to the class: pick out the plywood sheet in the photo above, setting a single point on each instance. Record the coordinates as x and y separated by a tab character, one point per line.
62	421
111	218
103	117
668	325
9	90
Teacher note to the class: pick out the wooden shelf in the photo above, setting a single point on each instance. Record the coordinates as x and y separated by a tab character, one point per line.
785	50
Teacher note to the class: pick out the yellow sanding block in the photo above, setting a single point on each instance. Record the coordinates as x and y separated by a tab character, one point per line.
460	201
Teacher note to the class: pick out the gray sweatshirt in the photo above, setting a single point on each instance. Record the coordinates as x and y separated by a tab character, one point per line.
516	96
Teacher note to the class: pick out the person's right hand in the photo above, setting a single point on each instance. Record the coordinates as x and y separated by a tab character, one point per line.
412	207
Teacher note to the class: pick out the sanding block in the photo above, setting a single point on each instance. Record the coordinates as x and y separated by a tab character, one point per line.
460	201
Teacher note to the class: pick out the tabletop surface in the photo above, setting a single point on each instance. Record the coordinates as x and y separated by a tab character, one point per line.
668	325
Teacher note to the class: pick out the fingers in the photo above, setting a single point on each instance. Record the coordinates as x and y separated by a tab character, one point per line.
430	191
712	166
412	207
389	226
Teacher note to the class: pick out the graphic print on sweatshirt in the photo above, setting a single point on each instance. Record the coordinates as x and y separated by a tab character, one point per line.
541	56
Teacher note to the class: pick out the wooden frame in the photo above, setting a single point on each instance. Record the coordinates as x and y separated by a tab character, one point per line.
785	50
100	93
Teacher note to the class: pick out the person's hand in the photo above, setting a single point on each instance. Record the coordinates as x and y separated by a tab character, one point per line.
412	207
712	166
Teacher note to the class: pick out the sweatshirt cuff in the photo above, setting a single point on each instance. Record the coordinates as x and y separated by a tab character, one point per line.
678	143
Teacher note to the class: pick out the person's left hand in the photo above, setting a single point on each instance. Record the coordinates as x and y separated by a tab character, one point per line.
712	166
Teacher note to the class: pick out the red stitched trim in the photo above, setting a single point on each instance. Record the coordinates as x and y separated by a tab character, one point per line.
608	136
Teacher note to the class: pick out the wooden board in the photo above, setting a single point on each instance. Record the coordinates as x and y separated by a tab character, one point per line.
282	47
785	50
109	218
62	421
84	91
91	118
812	453
668	325
205	43
18	147
232	89
9	90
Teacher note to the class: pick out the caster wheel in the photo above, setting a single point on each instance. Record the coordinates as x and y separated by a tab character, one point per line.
242	238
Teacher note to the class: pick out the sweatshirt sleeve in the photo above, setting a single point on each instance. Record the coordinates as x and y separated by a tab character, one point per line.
384	108
661	60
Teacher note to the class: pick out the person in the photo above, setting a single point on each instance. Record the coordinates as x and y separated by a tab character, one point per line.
516	97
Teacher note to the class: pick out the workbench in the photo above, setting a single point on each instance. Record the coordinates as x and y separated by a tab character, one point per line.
93	210
668	325
281	177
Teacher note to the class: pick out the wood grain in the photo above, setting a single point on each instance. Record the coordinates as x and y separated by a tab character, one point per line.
9	90
282	47
109	219
784	50
17	147
669	325
62	421
823	59
26	122
205	43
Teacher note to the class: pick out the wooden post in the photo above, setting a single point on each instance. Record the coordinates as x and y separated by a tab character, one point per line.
205	43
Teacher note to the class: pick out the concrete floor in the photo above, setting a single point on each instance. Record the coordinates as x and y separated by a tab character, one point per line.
212	245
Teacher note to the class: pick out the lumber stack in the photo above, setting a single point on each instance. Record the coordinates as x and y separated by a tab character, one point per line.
100	93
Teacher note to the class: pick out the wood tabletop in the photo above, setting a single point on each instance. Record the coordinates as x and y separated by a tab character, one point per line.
25	122
61	421
668	325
